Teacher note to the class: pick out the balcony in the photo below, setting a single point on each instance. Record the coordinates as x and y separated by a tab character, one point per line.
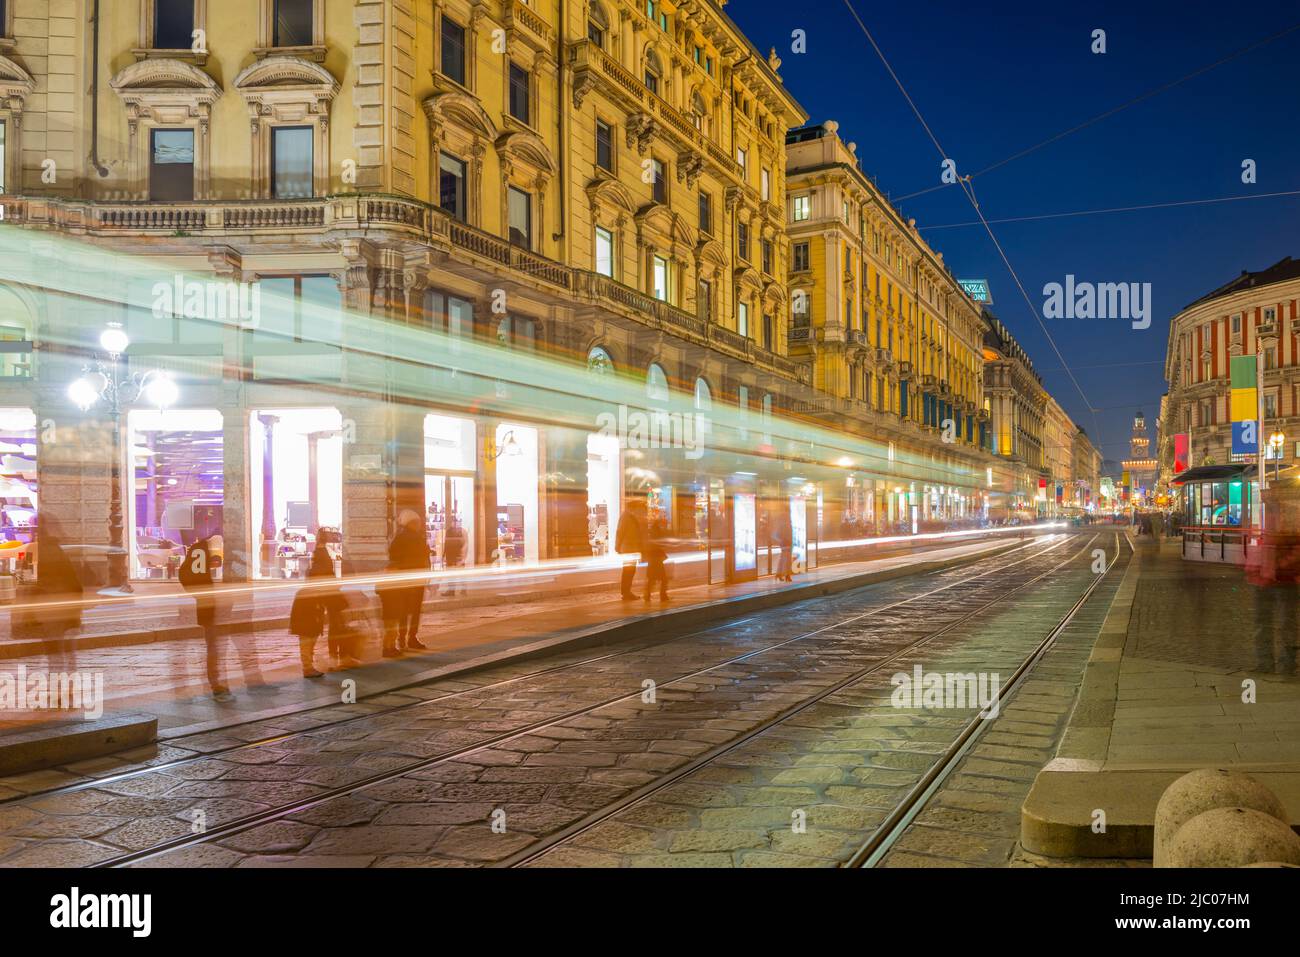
399	218
535	31
592	65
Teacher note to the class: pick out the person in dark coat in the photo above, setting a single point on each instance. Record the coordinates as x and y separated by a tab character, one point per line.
403	601
211	611
454	546
316	607
58	583
656	556
629	540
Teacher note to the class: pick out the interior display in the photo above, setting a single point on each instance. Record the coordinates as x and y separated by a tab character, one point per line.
745	531
177	475
798	533
517	504
17	491
604	491
450	463
296	480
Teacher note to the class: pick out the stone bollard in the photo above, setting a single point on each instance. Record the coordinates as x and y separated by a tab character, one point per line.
1232	837
1208	789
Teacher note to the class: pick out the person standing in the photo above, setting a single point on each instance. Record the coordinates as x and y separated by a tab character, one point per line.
314	607
455	544
58	583
629	541
781	540
407	552
656	556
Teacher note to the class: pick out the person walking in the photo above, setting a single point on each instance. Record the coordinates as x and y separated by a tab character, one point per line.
211	609
407	552
629	541
656	556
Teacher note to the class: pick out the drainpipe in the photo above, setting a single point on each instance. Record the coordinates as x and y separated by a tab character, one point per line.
735	245
99	167
561	114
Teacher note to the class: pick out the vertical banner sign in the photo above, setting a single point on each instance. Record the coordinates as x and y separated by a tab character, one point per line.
1180	453
1042	490
1124	486
1245	407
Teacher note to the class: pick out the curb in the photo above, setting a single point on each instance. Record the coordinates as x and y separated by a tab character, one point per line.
1057	818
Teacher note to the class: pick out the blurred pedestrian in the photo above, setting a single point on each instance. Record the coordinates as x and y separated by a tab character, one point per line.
454	546
629	541
316	608
781	541
211	612
656	555
59	591
403	600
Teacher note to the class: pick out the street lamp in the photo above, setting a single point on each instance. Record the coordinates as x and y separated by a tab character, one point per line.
105	381
1276	442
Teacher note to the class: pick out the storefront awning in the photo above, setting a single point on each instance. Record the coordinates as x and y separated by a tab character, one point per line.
1215	473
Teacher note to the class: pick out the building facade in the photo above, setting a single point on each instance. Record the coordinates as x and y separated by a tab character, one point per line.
1252	315
414	208
1017	405
893	340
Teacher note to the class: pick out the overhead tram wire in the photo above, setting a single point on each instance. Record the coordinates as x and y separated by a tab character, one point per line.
1116	209
1116	109
970	195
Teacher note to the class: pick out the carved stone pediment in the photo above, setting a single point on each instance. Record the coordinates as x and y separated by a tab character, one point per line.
523	147
456	108
15	85
610	192
165	91
286	88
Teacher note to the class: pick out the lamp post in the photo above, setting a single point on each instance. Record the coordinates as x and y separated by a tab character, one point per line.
1276	442
104	381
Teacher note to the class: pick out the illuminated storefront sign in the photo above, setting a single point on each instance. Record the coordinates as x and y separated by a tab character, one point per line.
977	289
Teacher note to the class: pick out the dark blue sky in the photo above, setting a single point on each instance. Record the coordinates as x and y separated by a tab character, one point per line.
992	83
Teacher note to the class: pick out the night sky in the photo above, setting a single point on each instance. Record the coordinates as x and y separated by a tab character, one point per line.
991	84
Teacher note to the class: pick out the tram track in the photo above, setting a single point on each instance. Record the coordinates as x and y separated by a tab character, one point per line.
200	754
873	850
248	822
563	837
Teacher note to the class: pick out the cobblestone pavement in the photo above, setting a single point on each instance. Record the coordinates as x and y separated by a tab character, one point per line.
539	753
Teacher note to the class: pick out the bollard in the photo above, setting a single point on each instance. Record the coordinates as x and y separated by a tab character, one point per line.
1208	789
1232	837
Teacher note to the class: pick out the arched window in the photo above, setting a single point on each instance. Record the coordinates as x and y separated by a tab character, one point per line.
599	361
653	73
597	25
656	383
703	396
699	113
